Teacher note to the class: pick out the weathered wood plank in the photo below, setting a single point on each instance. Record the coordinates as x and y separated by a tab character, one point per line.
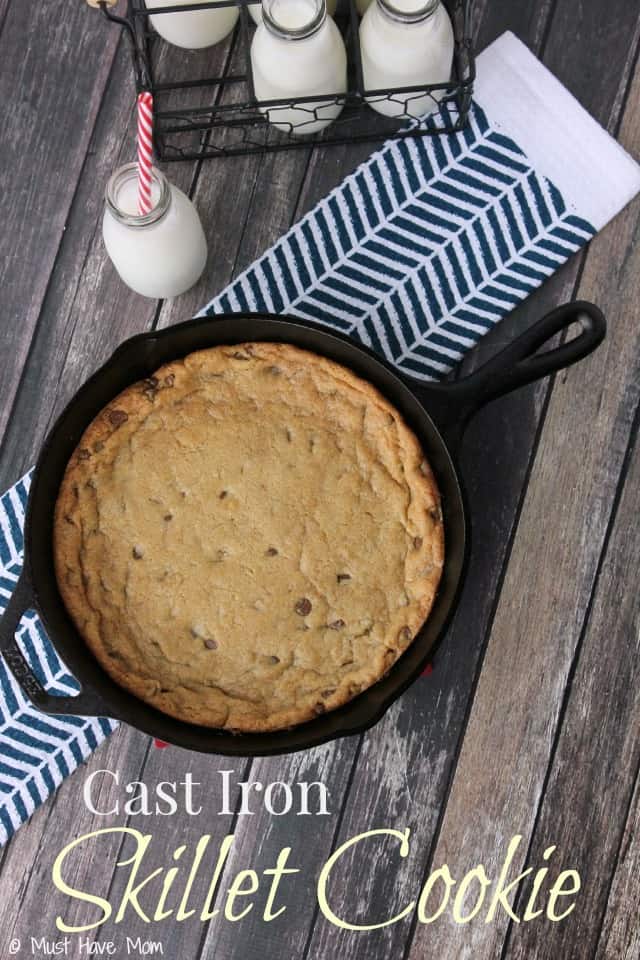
620	937
529	21
585	815
170	832
588	33
4	7
54	66
258	842
19	857
547	588
29	902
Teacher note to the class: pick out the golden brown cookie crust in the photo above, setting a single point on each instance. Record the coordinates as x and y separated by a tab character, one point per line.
248	538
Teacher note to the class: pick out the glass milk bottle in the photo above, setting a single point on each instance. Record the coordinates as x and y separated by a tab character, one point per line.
193	29
160	254
255	9
298	51
405	43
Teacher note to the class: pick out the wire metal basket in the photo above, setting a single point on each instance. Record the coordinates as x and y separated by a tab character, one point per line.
217	115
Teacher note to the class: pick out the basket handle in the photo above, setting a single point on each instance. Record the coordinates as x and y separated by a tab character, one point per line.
86	704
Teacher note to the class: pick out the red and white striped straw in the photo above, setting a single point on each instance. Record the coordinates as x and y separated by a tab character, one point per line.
145	152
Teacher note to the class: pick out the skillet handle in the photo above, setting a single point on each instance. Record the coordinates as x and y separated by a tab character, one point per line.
453	404
84	705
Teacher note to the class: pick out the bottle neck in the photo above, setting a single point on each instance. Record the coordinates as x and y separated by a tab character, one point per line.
408	11
121	196
294	19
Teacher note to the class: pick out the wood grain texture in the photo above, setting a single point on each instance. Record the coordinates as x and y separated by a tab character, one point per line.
259	840
4	7
169	833
30	901
620	934
599	736
50	100
546	591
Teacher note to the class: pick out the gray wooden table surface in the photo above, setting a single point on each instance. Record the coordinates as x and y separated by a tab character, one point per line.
530	721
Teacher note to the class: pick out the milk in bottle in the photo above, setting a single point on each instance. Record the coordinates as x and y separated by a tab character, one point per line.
298	51
255	9
159	254
405	43
193	29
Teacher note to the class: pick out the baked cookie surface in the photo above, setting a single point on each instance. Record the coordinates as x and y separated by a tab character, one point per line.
248	538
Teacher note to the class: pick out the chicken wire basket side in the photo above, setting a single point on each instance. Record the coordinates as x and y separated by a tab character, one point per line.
205	106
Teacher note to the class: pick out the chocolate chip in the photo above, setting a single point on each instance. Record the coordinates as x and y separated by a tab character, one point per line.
303	607
224	494
150	388
168	517
327	693
274	660
275	371
137	553
417	542
98	446
435	513
117	417
289	435
210	644
238	355
342	577
84	454
405	634
336	625
170	379
272	552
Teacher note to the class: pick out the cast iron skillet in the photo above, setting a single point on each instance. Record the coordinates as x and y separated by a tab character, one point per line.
438	413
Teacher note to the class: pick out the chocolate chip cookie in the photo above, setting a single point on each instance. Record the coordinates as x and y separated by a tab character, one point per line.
248	538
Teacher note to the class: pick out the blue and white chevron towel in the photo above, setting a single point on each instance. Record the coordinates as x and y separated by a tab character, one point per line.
418	253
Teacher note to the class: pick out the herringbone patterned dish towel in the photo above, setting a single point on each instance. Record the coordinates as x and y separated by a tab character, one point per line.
418	253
